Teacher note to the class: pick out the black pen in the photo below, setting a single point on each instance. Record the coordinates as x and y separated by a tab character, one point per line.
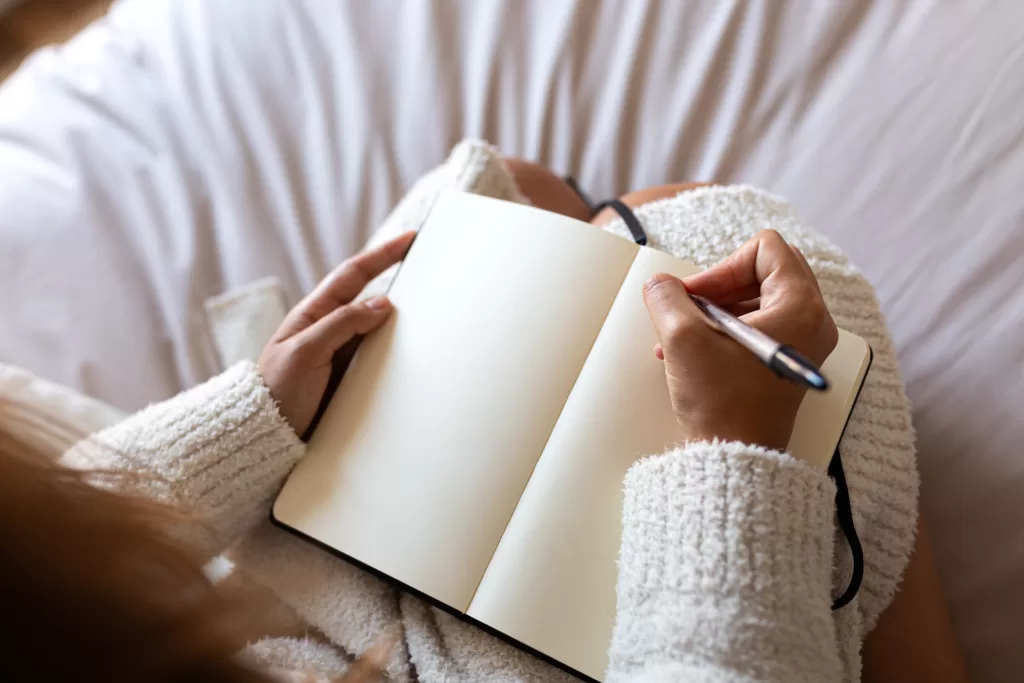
781	358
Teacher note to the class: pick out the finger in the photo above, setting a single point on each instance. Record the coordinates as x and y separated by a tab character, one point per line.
673	313
765	258
346	281
324	337
807	266
659	352
735	296
802	321
742	308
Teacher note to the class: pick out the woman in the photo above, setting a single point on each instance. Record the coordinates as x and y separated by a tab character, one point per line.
726	567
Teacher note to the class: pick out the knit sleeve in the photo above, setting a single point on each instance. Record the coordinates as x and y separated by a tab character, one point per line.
220	450
725	569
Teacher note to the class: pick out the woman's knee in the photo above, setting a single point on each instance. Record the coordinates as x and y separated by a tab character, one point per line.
640	197
545	190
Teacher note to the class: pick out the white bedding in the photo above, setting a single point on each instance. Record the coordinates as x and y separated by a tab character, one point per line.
184	147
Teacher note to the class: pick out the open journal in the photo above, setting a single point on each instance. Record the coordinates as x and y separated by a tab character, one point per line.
476	447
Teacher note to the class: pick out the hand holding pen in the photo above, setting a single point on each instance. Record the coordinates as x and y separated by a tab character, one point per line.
720	388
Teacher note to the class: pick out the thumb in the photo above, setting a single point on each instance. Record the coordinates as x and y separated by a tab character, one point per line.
673	313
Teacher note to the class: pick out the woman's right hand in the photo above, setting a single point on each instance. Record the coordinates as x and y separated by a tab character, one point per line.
718	388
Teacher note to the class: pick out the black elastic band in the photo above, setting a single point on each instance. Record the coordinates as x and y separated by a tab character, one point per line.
635	229
844	515
632	222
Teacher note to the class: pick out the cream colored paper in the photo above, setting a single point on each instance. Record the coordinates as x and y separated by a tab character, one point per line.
551	583
428	444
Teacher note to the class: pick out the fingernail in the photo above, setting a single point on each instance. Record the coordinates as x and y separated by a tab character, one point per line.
378	303
657	279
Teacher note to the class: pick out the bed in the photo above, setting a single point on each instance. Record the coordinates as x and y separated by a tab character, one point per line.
180	148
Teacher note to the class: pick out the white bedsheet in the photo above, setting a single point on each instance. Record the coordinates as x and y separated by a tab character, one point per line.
184	147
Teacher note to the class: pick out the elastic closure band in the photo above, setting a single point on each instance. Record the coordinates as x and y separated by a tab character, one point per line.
632	222
630	219
844	517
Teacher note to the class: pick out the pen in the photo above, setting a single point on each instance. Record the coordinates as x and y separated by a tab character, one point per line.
781	358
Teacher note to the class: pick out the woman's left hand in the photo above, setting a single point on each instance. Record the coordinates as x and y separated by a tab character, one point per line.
296	363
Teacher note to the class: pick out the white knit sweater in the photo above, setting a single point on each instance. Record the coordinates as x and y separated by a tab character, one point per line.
729	553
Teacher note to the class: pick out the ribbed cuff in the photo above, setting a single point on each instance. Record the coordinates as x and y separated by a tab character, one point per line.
726	550
220	450
235	448
727	518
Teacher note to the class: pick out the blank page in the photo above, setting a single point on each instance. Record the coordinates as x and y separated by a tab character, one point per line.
551	583
428	444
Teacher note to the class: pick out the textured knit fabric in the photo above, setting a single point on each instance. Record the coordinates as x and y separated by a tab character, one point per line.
724	571
222	449
729	554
